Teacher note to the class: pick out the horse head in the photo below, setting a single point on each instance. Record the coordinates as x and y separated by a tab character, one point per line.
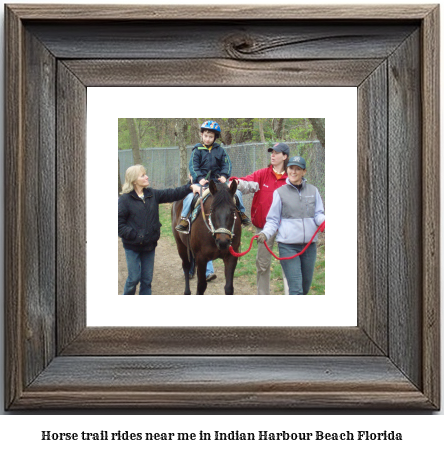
223	213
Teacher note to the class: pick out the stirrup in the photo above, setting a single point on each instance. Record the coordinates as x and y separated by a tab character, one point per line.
182	228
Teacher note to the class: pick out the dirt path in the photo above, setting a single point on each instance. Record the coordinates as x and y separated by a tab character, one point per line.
168	275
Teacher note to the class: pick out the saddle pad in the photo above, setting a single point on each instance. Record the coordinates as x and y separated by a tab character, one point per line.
196	209
204	196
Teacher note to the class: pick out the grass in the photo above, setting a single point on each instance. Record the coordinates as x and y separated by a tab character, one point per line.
246	266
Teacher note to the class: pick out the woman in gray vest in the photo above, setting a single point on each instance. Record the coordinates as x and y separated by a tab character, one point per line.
296	212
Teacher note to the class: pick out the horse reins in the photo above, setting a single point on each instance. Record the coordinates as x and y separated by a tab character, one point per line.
321	227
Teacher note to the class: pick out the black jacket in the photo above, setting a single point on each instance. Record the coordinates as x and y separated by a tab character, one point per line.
139	225
202	161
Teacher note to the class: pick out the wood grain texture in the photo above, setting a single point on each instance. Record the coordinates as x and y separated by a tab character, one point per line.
430	93
373	270
204	72
241	40
39	207
94	341
217	12
104	367
234	382
71	206
14	158
405	209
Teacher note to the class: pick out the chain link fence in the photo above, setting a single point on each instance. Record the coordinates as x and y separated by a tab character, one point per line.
163	164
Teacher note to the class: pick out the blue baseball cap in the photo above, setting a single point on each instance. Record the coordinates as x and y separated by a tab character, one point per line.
280	147
297	161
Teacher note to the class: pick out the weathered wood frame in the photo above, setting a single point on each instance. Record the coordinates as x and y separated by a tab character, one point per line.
390	360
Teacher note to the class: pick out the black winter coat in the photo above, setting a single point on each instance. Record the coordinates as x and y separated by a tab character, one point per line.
202	161
139	224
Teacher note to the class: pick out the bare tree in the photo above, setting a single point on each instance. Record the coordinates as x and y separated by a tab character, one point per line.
134	141
278	125
319	129
318	158
181	127
195	130
261	129
225	135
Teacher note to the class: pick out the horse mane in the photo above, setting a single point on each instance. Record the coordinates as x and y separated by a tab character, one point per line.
222	197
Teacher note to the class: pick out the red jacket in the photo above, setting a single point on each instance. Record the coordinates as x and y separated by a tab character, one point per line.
263	198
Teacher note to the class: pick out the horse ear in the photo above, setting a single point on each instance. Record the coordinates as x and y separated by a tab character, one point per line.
233	186
213	188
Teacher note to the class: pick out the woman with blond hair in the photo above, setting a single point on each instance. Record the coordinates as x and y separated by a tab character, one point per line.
139	225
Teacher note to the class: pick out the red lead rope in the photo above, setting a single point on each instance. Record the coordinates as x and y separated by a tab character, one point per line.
321	227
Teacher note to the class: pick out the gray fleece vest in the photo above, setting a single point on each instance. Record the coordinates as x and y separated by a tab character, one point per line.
298	205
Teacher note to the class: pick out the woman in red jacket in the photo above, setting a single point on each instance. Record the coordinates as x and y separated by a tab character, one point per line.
263	183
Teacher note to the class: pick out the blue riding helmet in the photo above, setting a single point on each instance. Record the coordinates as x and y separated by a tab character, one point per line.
212	126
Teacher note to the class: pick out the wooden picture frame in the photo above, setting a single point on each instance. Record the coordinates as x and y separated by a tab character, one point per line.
389	360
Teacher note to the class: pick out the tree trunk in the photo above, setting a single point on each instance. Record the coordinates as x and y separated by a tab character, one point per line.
319	129
195	130
134	141
261	130
181	130
318	160
279	125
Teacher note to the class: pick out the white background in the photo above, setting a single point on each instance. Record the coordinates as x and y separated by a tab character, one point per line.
336	308
22	433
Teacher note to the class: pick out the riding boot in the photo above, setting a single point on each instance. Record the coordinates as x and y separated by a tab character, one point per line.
244	219
183	226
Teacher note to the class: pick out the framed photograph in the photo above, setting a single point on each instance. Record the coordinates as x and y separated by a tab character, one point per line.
389	359
111	107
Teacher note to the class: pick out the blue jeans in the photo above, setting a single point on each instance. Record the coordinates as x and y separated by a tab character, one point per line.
298	271
187	203
209	270
140	269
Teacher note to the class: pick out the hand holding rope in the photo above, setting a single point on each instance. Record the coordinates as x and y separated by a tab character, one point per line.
321	227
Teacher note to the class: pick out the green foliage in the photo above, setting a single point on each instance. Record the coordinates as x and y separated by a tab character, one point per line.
124	136
318	284
161	132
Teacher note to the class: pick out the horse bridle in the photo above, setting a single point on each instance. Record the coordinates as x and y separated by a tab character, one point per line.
210	225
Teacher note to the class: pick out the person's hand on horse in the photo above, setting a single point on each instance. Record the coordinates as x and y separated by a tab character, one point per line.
203	182
261	238
195	188
222	179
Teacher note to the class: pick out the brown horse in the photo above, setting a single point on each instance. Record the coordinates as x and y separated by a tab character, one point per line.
210	238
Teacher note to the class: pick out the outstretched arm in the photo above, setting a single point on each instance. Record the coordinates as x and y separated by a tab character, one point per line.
249	184
170	195
246	187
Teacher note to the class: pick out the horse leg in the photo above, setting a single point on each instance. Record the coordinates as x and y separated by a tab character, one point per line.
181	245
201	265
186	266
230	263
